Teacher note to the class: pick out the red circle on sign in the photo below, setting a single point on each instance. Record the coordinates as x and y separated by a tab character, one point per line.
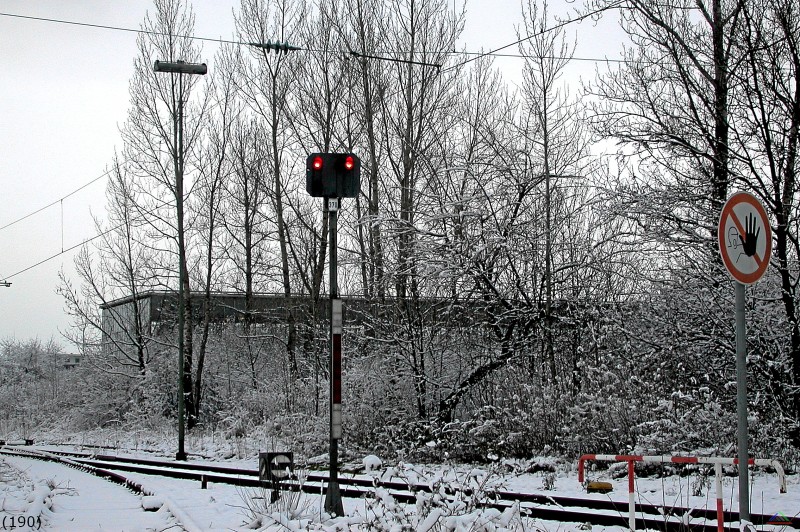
739	212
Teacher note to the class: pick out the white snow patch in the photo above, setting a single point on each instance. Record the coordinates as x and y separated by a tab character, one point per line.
372	463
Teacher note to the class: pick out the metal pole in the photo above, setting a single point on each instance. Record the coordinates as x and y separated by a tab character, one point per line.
631	495
180	67
333	498
741	403
181	454
720	509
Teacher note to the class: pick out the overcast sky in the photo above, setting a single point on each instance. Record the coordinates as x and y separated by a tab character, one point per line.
63	98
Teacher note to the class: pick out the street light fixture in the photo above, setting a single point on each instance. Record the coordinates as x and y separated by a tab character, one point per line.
180	68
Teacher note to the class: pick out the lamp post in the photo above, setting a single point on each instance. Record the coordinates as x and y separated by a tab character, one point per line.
180	68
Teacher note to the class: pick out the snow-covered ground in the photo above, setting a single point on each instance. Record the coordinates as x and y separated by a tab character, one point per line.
67	499
38	494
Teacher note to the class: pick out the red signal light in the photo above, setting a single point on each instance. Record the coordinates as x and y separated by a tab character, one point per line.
317	163
349	163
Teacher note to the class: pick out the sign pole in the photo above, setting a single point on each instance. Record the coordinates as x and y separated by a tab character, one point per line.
741	403
744	236
333	498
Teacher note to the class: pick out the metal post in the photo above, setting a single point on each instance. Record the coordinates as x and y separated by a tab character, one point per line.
631	495
720	510
180	68
741	403
181	454
333	498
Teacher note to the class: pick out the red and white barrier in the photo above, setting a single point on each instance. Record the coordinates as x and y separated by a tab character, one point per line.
717	461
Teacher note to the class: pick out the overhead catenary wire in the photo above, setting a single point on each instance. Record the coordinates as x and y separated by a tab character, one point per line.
393	59
374	55
76	246
63	251
561	24
116	28
59	200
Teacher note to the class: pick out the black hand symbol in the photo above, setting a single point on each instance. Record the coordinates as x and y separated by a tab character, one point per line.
750	237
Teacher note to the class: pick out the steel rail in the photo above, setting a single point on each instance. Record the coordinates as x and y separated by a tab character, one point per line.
112	476
548	507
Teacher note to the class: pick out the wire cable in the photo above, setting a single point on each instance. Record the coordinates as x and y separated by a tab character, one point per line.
117	28
61	199
91	239
541	32
61	253
395	60
477	55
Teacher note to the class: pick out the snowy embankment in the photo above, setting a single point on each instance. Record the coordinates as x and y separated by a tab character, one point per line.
24	503
66	499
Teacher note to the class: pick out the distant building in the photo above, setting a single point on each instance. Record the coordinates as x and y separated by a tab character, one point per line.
70	360
156	312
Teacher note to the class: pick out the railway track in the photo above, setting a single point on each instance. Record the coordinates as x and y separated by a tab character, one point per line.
538	506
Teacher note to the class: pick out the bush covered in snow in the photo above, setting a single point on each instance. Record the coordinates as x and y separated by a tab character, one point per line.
650	376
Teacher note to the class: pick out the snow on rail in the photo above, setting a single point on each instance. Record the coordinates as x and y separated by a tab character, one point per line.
139	487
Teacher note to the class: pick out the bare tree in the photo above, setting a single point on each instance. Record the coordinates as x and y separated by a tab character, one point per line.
669	103
706	102
413	119
151	137
214	170
766	138
366	24
115	267
265	83
558	145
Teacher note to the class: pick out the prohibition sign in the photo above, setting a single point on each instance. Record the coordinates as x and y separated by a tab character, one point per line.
745	238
